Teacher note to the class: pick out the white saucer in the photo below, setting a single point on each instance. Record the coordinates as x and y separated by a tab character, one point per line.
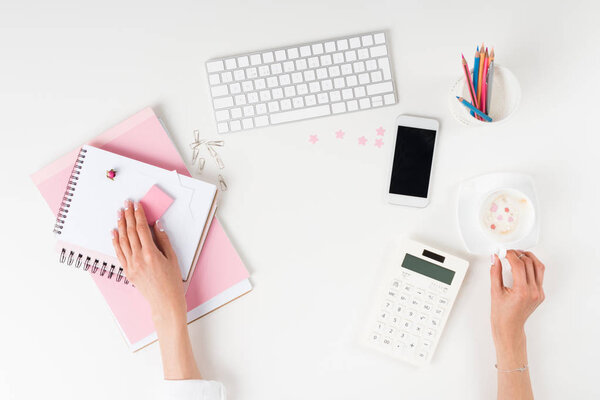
471	195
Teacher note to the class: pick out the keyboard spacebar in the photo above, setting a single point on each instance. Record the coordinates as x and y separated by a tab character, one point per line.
302	113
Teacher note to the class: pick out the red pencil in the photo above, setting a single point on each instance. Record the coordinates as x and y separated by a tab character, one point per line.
486	65
469	81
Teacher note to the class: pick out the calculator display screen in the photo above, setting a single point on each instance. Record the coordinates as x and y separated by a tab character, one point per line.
426	268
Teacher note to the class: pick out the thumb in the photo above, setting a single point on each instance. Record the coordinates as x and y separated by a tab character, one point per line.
496	274
163	242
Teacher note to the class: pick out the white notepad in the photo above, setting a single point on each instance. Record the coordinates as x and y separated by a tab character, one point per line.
89	210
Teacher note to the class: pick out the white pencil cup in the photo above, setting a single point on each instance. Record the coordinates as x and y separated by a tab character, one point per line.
506	96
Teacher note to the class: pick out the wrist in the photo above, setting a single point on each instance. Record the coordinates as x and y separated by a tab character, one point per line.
169	315
511	349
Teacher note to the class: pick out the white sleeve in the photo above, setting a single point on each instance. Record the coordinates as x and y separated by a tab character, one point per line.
193	389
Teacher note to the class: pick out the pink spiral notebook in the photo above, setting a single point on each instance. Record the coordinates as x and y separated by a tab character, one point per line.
219	276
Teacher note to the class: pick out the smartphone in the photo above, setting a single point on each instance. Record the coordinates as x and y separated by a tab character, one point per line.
410	175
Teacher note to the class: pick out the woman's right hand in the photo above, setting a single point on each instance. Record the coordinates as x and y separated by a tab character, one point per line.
512	306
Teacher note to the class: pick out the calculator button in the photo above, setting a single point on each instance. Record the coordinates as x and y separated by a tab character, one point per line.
410	314
399	347
399	309
425	345
434	323
430	297
408	288
412	343
415	302
402	337
391	294
418	329
379	327
429	333
395	320
388	305
383	316
386	342
406	324
389	331
421	318
428	307
419	292
396	284
404	299
443	302
421	355
375	338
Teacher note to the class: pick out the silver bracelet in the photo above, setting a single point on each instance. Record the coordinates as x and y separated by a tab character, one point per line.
522	369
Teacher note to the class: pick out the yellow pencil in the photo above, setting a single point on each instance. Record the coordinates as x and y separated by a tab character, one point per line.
481	64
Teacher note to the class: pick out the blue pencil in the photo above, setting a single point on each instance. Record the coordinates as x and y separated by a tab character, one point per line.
474	109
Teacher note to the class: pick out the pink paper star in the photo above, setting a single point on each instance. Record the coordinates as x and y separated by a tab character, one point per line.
380	131
362	140
313	139
378	142
340	134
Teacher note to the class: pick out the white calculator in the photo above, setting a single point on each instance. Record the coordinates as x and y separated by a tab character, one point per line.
414	301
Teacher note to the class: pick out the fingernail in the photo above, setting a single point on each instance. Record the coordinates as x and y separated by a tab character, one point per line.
160	226
112	233
119	212
127	204
492	259
136	205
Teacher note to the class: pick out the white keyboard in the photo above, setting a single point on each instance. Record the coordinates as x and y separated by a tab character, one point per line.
301	82
413	303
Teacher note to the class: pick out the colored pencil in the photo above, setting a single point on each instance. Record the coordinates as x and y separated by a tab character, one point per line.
486	64
481	61
490	82
468	79
475	76
474	109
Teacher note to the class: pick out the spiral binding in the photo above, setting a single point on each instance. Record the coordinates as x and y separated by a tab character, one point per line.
71	257
67	198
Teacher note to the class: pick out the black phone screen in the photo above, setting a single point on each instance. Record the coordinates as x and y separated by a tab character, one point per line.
413	156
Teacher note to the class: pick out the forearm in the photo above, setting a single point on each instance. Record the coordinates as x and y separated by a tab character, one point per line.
511	353
175	347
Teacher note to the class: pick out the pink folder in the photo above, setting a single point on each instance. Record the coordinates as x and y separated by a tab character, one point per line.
220	275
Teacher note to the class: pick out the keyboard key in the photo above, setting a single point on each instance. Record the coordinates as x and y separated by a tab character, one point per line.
286	104
268	57
235	88
309	75
337	108
214	79
351	80
215	66
339	83
293	53
363	54
218	91
378	51
261	109
223	127
264	70
346	69
379	38
389	99
317	49
302	89
326	60
359	67
248	123
251	73
243	61
260	84
367	40
404	299
327	85
297	102
443	301
386	342
384	65
354	42
230	63
255	59
347	94
350	55
272	81
310	100
305	51
236	113
379	327
301	64
252	98
265	95
239	75
430	333
399	347
375	338
248	111
280	55
377	76
273	106
338	58
289	66
304	113
297	77
376	101
415	302
276	68
364	103
223	102
419	293
222	115
226	77
285	80
434	323
261	121
277	93
235	126
342	44
371	65
438	312
290	91
313	62
330	47
427	307
334	71
360	91
314	87
323	98
379	88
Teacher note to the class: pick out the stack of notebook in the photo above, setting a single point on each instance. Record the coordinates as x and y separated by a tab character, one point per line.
148	168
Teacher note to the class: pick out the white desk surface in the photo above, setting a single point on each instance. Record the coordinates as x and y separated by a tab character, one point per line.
310	221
